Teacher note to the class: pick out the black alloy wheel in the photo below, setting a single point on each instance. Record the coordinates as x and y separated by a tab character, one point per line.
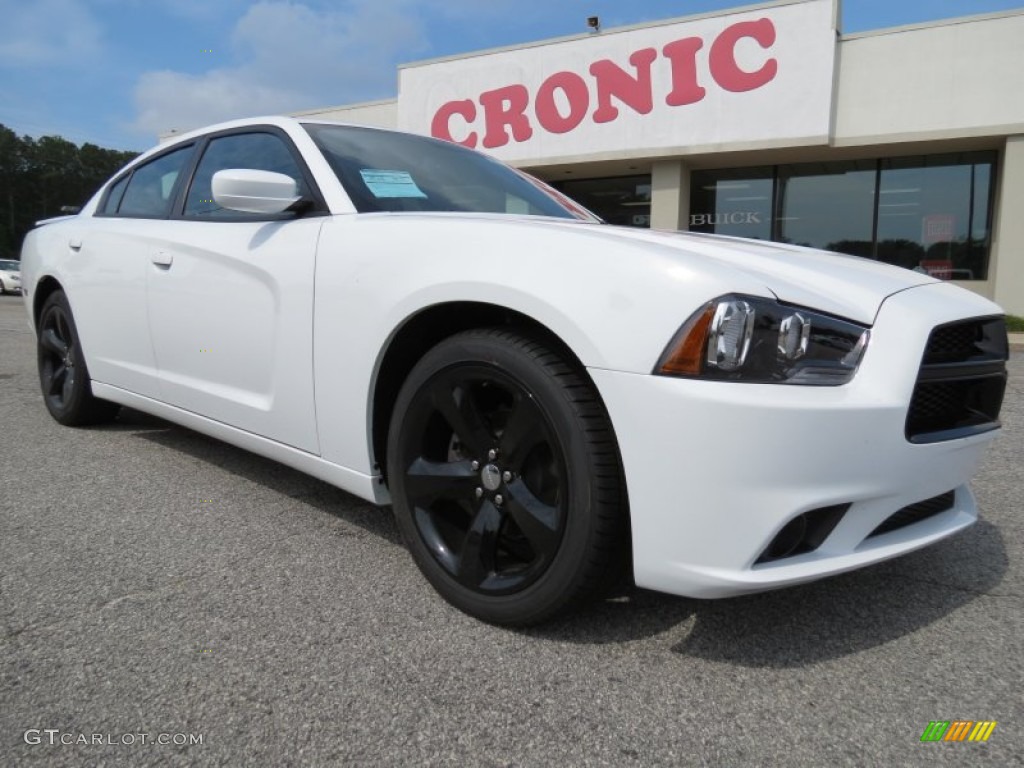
505	478
63	375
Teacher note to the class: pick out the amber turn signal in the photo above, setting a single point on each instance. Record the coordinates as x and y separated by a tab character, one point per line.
687	352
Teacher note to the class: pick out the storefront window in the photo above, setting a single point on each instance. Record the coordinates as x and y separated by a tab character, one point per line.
827	205
926	214
930	213
622	200
735	203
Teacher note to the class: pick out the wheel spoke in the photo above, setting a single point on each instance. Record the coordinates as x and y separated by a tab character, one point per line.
477	559
538	521
523	430
427	480
457	407
69	383
55	379
52	343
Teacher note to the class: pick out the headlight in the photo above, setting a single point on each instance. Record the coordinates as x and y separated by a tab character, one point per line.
744	338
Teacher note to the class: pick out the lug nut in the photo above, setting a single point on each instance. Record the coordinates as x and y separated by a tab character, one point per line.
492	454
507	476
499	499
475	465
479	492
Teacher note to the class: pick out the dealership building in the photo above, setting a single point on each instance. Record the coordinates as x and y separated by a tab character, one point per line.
904	145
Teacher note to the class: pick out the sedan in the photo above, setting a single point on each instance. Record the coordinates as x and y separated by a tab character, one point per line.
10	276
547	402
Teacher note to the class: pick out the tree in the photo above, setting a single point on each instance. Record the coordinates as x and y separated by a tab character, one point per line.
38	177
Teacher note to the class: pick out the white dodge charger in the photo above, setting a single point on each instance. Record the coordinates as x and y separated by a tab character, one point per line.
544	399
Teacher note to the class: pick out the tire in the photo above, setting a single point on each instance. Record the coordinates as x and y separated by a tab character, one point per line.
63	375
505	478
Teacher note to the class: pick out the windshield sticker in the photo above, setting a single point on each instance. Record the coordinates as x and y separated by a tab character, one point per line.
390	183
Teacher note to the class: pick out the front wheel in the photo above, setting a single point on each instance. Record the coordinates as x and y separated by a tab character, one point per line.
505	478
62	373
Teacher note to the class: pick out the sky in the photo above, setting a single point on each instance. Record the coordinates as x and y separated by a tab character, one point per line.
118	72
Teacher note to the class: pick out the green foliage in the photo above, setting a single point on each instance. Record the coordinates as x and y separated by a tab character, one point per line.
1015	324
38	176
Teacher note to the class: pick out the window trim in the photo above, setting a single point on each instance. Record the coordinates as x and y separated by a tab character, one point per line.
100	213
319	207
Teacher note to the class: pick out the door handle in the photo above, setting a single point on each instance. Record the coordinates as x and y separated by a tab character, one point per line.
163	259
75	243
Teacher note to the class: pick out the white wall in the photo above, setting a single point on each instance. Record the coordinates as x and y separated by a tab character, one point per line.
959	79
380	114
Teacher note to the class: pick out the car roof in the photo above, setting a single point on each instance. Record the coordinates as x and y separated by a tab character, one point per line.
281	121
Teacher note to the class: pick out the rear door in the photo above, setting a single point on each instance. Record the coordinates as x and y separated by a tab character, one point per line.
231	299
110	265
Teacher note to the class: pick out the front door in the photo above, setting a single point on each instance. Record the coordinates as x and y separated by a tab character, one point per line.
231	303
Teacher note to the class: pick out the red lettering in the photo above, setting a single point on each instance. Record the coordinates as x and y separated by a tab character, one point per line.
683	55
612	80
440	128
724	67
506	107
576	93
564	99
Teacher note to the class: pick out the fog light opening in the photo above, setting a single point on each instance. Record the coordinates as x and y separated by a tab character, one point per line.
804	533
788	539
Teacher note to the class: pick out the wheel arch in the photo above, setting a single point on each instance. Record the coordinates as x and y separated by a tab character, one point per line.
427	328
46	286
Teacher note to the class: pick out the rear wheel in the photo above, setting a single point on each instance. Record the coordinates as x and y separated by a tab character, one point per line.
63	375
505	478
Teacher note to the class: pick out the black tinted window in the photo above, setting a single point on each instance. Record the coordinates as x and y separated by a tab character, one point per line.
115	195
389	171
151	189
258	151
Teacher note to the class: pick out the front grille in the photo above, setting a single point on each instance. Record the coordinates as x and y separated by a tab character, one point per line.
915	513
953	343
961	382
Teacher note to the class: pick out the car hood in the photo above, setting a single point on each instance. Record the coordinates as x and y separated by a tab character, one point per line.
851	287
847	286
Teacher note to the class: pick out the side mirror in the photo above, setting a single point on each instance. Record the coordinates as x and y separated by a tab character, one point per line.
252	191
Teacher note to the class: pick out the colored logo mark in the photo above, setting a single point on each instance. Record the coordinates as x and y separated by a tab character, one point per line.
958	730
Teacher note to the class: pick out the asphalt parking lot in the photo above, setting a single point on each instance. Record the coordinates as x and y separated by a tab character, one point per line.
154	581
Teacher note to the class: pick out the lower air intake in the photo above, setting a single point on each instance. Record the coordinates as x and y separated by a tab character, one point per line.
915	513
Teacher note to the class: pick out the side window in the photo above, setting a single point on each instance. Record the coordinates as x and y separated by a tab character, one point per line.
258	151
115	195
151	189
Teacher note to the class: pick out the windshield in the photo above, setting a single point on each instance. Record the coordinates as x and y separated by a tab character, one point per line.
389	171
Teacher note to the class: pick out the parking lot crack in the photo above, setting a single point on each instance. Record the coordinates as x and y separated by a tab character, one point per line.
10	633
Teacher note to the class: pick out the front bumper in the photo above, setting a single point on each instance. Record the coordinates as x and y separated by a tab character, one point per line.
716	470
